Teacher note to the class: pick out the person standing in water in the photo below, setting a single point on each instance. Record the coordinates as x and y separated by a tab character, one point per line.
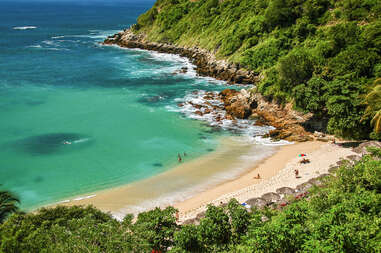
179	157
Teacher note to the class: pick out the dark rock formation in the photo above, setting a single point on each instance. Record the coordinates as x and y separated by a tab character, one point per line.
206	64
271	197
285	191
257	202
304	187
288	123
238	104
361	148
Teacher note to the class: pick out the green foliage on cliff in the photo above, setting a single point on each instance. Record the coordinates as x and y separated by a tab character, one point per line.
8	204
342	216
323	55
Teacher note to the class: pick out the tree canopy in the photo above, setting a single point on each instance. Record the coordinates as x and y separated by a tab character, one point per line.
342	215
323	55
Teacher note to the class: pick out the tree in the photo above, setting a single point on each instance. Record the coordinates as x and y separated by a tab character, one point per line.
155	229
215	229
8	204
373	109
186	239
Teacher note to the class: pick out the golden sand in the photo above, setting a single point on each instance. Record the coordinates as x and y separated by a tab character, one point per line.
219	176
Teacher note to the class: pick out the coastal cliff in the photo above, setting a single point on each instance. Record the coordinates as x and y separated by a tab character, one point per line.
321	57
244	104
205	62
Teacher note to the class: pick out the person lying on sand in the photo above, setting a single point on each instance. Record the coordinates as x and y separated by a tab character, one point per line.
304	161
257	176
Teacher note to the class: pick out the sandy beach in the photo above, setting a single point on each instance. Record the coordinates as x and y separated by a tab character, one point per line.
277	171
175	186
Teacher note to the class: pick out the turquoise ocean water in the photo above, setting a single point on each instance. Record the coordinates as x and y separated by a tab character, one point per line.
75	116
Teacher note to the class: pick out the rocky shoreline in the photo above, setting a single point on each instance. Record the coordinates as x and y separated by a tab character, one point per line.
205	62
290	124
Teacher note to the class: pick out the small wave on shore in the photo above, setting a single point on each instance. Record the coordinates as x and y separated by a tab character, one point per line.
232	159
24	27
206	106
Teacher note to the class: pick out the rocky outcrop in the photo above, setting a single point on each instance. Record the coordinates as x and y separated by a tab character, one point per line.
237	104
287	122
205	62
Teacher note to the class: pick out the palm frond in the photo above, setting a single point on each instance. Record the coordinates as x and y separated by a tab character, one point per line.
376	122
8	204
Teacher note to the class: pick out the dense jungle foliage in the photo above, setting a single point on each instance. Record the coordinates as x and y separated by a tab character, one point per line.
344	215
322	55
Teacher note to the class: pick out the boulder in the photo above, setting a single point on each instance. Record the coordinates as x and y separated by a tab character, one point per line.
271	197
199	113
207	111
238	110
285	191
361	149
354	158
257	202
304	187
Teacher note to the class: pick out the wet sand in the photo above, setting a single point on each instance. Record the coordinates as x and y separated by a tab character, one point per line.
277	171
219	176
232	158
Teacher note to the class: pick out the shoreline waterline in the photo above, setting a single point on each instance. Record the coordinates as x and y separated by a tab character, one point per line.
232	158
276	170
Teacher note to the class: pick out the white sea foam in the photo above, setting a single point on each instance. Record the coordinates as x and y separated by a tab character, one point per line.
244	162
63	201
246	128
94	34
49	42
24	27
217	116
181	62
85	197
81	140
269	142
35	46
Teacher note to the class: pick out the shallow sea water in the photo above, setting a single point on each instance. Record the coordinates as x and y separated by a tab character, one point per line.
76	116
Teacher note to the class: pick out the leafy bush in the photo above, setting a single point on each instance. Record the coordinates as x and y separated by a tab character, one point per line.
301	48
342	216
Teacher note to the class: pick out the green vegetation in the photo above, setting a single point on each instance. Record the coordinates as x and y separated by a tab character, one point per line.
373	109
8	204
342	216
322	55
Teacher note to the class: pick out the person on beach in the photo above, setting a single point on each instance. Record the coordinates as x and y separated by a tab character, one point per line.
179	157
257	177
296	173
304	161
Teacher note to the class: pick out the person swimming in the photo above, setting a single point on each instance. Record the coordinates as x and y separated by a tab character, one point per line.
67	142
